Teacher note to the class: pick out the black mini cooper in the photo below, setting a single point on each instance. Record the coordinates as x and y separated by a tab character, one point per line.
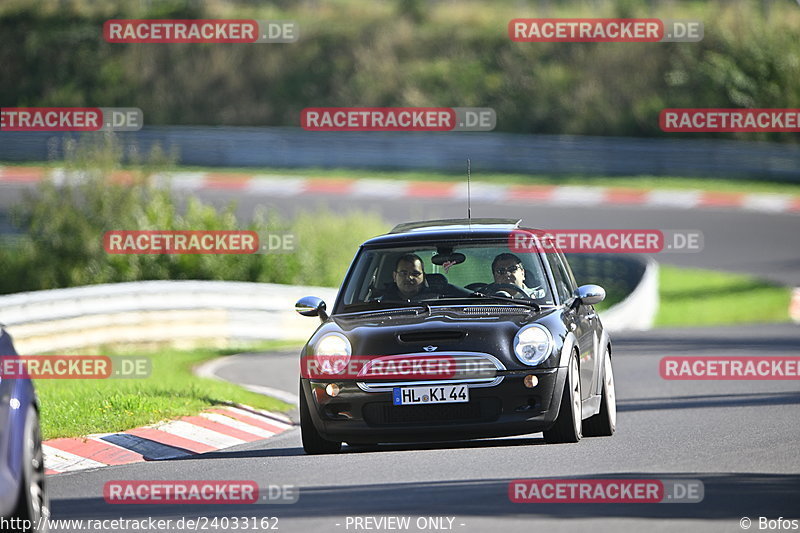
456	329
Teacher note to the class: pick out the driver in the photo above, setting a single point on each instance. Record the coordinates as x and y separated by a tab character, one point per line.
409	281
507	268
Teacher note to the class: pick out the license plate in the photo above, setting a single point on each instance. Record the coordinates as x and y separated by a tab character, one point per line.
430	394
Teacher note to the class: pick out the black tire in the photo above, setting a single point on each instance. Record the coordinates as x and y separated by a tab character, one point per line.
568	425
33	503
604	423
313	443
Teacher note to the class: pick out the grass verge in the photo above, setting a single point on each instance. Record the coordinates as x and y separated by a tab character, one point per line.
72	408
697	297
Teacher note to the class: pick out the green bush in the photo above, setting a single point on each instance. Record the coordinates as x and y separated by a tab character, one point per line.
64	226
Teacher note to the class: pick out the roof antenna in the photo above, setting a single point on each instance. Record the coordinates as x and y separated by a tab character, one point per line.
469	197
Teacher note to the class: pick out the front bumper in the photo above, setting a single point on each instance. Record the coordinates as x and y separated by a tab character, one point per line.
505	409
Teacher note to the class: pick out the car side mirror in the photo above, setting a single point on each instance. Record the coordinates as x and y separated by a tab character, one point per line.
589	294
311	306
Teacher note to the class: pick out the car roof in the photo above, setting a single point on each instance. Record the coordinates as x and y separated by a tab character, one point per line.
449	229
458	223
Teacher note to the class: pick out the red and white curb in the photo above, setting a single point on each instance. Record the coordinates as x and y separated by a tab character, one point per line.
285	186
211	430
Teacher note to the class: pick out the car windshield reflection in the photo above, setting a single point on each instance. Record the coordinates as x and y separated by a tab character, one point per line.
444	274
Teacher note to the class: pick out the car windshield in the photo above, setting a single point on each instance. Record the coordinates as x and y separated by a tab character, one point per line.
442	273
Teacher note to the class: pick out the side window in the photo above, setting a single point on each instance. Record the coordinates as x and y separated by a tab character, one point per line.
357	285
567	271
560	276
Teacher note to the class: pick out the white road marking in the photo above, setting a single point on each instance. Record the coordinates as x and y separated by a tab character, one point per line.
61	461
578	195
236	424
372	188
179	428
274	419
773	203
682	199
276	185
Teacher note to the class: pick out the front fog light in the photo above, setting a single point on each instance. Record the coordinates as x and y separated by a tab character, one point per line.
530	381
533	344
332	389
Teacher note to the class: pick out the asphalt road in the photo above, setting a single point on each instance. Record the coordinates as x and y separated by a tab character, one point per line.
763	244
740	438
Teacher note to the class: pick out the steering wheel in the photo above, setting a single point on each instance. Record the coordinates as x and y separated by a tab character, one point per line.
494	288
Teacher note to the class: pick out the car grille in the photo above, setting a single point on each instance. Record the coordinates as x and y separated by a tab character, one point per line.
386	414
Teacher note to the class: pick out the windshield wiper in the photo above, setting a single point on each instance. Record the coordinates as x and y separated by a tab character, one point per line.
390	310
518	301
440	302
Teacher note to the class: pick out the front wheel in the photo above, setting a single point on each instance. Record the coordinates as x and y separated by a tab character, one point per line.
33	504
313	443
604	423
568	426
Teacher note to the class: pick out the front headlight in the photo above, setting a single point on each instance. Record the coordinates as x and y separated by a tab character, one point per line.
334	351
532	344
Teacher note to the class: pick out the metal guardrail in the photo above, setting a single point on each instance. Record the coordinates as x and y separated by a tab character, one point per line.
492	151
175	312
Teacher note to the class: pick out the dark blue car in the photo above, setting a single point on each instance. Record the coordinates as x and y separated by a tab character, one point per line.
23	498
